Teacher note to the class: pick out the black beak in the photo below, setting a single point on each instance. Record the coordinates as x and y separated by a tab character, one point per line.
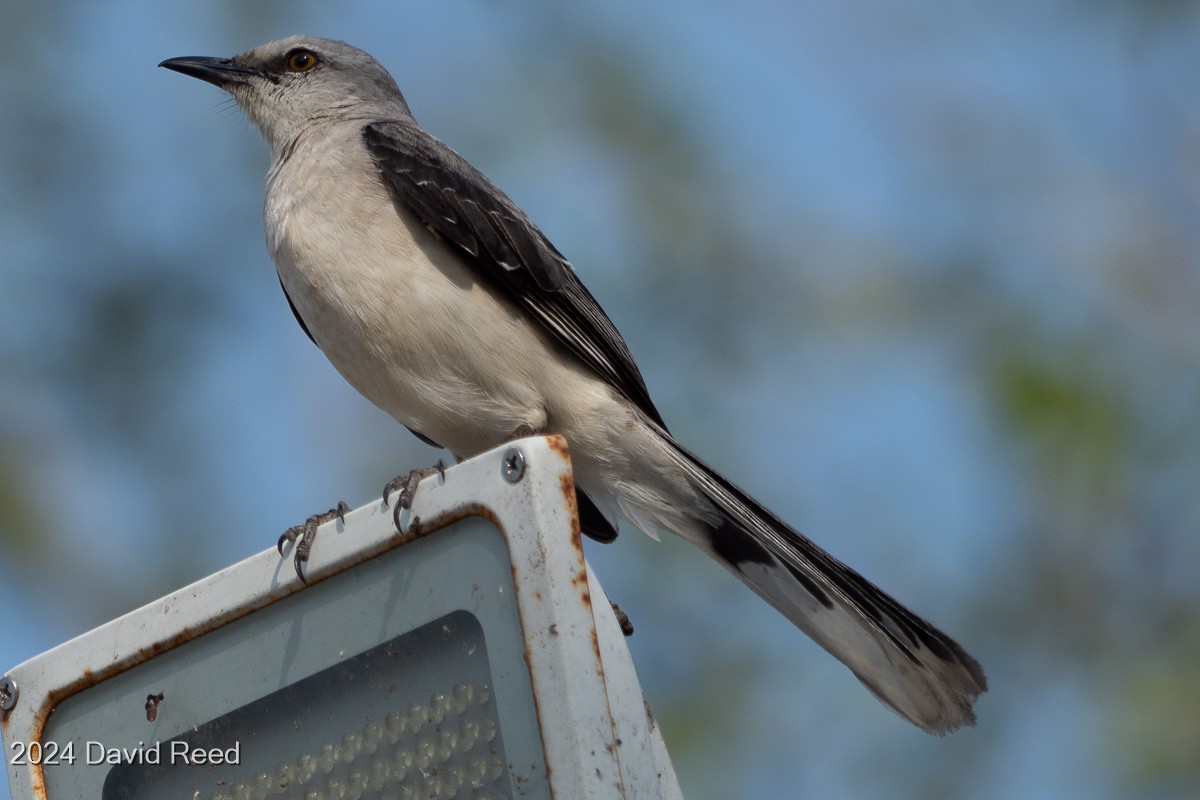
219	71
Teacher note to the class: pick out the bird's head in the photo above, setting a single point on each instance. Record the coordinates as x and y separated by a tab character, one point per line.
287	85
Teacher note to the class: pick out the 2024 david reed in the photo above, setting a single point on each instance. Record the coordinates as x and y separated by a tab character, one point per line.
173	753
441	302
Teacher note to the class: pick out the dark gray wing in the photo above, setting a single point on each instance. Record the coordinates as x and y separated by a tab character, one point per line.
503	246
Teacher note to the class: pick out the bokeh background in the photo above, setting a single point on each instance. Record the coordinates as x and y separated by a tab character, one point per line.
924	277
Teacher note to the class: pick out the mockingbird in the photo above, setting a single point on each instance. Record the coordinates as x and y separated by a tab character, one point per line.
441	302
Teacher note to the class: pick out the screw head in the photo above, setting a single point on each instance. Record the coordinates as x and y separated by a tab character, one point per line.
8	693
512	465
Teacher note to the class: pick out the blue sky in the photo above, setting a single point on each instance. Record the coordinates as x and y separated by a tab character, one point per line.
915	181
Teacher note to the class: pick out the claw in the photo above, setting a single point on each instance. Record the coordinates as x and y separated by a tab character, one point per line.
407	484
304	535
288	536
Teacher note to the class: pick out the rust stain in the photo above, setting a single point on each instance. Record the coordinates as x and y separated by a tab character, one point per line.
152	702
566	483
559	445
596	650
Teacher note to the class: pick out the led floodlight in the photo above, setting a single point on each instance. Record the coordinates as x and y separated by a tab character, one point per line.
474	656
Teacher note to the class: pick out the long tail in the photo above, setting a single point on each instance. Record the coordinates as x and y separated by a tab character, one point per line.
907	663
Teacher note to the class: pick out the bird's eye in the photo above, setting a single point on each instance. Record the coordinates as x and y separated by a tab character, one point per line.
301	60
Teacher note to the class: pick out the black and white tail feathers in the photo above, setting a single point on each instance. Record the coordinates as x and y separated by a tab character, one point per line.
911	666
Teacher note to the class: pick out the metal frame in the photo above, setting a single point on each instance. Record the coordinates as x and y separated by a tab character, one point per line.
598	736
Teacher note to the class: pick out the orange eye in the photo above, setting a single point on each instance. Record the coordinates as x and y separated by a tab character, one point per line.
301	60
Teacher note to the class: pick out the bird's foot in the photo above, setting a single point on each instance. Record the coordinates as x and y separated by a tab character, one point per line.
306	533
407	485
622	620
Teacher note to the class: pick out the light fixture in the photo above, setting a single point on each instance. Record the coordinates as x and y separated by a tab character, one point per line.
473	656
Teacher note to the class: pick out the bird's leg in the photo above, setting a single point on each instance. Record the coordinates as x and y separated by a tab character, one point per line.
407	484
307	534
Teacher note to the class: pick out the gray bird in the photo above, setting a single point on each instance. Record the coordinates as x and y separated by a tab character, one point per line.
442	303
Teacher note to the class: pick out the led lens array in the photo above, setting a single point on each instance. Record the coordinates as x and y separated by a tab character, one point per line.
440	749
